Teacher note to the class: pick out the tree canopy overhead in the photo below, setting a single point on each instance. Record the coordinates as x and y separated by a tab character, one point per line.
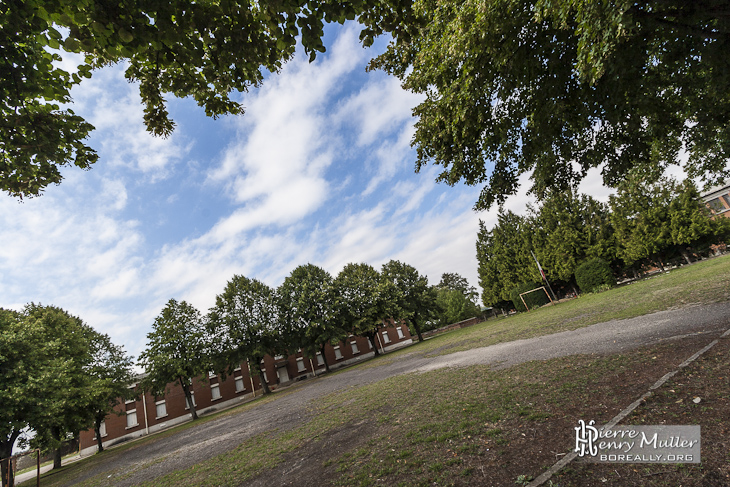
512	86
205	50
558	88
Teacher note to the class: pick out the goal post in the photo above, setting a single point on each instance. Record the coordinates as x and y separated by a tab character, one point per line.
532	291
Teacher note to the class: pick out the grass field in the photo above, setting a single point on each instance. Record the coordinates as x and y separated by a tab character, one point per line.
478	426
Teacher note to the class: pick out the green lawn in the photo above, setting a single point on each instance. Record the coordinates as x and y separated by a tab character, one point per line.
455	426
701	283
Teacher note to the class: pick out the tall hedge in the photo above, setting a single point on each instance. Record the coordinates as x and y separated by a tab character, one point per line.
538	298
592	274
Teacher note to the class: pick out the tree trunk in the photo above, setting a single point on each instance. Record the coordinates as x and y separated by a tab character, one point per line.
6	451
97	430
56	434
257	365
416	327
371	337
186	389
686	256
324	358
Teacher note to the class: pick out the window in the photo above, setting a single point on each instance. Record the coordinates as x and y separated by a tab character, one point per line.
102	429
239	384
187	404
400	332
320	360
130	400
370	344
300	365
215	392
355	350
386	338
726	198
338	354
160	409
131	418
716	205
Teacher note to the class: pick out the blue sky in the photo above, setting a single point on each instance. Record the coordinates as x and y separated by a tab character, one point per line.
319	170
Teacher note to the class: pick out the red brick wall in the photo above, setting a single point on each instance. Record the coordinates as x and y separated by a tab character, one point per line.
116	425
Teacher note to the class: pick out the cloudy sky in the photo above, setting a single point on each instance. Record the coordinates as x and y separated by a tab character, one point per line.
319	170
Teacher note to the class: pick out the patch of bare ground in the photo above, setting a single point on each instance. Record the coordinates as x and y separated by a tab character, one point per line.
520	437
707	379
307	466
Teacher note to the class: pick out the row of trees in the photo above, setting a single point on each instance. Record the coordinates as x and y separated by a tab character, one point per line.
310	309
58	377
646	223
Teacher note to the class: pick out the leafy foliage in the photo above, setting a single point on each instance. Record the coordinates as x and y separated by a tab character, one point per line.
557	88
54	376
656	217
365	300
112	371
178	350
594	273
504	257
245	322
308	310
415	300
649	220
204	50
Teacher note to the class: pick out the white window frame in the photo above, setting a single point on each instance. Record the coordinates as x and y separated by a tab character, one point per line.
215	387
320	359
102	429
130	413
338	353
386	338
239	380
353	345
401	335
157	410
300	365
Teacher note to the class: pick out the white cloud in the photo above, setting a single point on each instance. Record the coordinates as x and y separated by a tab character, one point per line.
114	107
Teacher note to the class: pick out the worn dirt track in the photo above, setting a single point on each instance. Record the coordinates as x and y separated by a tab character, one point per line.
195	445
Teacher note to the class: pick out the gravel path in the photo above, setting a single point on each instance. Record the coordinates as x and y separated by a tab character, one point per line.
207	440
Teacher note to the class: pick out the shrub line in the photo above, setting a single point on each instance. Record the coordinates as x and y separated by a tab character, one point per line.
545	476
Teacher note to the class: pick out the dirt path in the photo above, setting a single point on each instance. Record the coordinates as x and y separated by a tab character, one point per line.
195	445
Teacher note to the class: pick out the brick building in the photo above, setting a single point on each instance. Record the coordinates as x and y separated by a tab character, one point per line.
718	200
150	413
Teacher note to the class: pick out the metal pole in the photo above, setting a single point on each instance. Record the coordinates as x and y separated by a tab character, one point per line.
144	406
250	377
543	275
38	468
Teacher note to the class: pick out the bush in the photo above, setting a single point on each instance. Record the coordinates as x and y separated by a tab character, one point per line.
533	300
593	274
